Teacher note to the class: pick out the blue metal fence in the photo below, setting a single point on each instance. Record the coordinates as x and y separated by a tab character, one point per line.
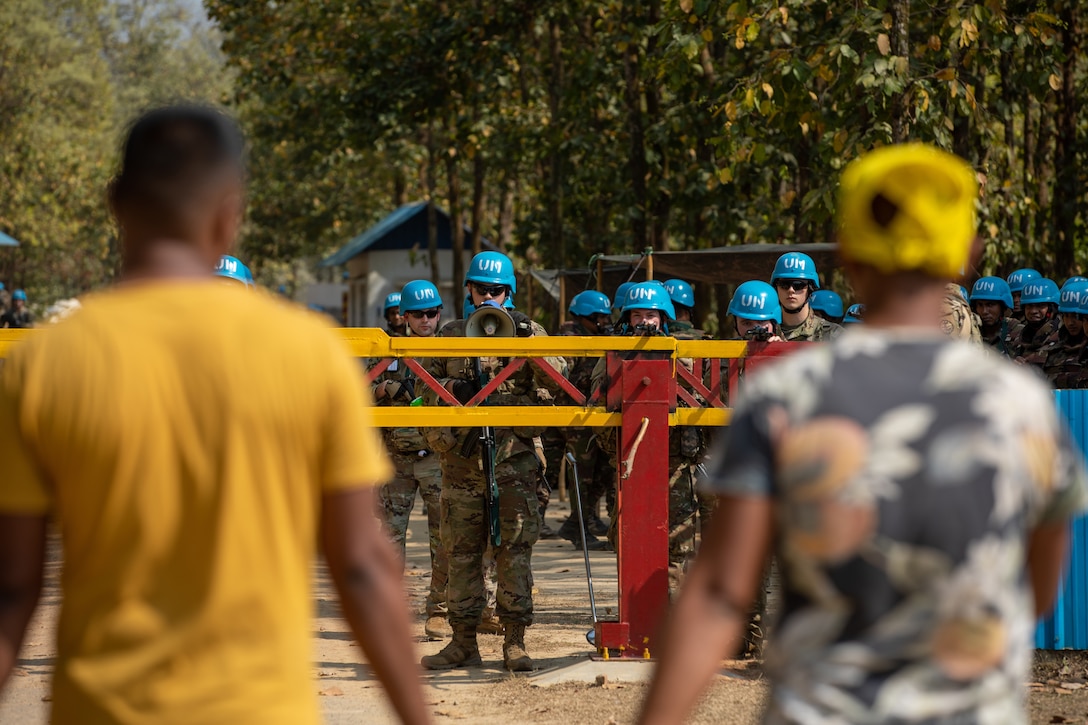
1067	626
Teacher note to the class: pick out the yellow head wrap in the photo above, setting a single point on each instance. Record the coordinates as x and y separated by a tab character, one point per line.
908	207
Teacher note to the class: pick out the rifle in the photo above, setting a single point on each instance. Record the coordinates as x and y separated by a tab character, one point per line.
759	334
488	447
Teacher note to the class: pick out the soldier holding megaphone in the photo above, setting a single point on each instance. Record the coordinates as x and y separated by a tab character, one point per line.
490	282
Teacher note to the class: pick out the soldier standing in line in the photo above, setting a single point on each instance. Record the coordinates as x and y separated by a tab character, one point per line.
416	465
1016	281
957	319
795	278
1063	357
490	278
18	317
828	305
591	311
649	311
991	300
683	301
1039	302
621	296
395	325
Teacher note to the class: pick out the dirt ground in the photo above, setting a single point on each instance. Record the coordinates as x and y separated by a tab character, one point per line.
349	694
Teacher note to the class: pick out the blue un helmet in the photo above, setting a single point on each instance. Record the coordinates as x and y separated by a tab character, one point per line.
419	294
755	300
621	296
827	302
589	303
1071	296
1040	291
1020	277
391	300
680	292
796	265
992	289
232	268
855	314
1074	280
18	295
508	303
649	296
492	268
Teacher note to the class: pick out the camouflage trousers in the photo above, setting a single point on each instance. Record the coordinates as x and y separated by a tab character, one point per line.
398	497
683	505
464	531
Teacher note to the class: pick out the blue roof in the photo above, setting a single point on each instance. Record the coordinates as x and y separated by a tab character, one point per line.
404	228
6	241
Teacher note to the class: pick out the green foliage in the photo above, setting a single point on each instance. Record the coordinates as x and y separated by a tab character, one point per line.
686	123
72	73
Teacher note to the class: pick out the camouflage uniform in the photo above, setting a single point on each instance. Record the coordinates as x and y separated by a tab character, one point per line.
1001	336
464	528
1032	342
596	470
417	467
1064	360
686	447
683	330
957	319
813	329
554	444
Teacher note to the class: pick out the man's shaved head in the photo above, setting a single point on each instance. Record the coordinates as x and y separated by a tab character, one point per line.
181	177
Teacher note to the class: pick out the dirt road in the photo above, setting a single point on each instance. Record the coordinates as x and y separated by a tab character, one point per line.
489	694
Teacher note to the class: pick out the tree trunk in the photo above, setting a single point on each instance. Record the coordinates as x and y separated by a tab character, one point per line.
429	169
802	232
1028	172
900	11
636	162
1067	189
506	211
661	203
400	188
457	224
1044	176
479	200
555	160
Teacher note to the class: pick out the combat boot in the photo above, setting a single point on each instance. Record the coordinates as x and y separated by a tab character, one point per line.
461	652
489	623
514	656
437	627
569	529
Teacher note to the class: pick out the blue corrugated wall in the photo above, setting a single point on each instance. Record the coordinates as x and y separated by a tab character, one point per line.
1067	626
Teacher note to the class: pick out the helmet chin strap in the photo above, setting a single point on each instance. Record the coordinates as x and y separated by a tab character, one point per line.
796	309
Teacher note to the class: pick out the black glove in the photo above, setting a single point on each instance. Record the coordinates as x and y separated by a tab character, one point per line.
408	388
523	326
463	390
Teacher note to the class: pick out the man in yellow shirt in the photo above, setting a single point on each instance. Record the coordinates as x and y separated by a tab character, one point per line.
191	465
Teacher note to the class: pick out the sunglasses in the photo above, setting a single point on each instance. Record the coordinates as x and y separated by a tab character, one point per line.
793	284
420	314
490	289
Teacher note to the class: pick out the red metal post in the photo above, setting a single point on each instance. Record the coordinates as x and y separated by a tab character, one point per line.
641	389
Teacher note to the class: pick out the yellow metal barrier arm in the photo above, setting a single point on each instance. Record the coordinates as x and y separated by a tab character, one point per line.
375	343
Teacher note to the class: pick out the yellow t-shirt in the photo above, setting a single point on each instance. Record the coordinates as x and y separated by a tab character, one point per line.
182	434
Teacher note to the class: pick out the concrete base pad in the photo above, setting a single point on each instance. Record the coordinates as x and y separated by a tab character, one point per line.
587	671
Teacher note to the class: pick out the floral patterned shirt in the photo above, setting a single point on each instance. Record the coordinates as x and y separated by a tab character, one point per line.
907	470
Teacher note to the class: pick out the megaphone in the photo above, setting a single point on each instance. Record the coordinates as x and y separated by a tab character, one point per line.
490	320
